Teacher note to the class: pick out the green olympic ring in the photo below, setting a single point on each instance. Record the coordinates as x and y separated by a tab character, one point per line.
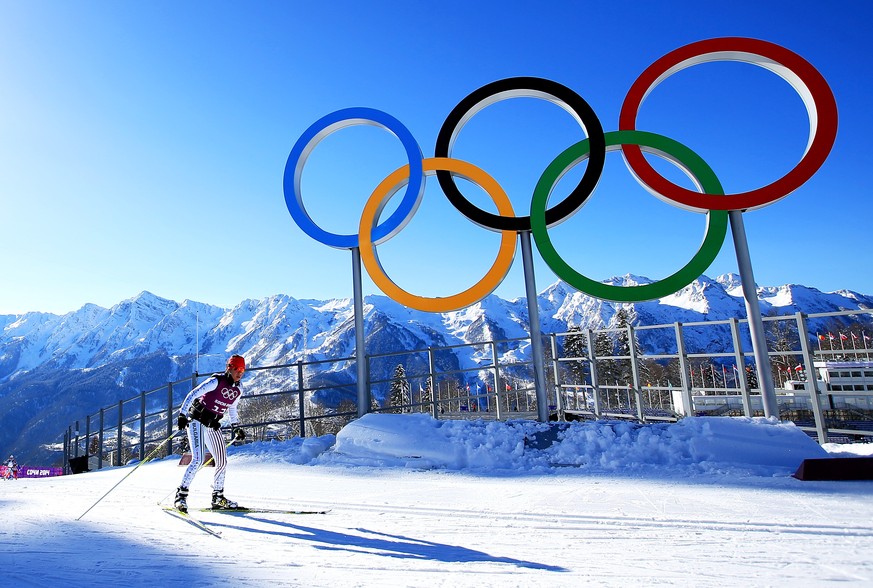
687	160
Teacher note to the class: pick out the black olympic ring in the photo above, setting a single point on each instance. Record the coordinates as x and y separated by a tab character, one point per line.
513	88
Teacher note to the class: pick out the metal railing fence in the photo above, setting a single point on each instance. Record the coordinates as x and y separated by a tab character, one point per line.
593	373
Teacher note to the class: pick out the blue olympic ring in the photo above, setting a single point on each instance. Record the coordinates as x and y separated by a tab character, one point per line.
322	128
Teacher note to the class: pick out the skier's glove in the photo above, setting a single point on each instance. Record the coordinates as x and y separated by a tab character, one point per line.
182	421
237	433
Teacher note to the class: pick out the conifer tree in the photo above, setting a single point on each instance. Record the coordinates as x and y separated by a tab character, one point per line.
399	398
576	346
607	369
427	394
622	320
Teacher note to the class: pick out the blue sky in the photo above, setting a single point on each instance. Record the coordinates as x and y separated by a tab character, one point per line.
143	145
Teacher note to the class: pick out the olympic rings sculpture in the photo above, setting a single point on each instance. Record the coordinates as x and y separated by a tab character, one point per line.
709	198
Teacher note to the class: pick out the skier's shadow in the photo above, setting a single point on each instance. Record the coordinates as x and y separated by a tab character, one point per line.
386	545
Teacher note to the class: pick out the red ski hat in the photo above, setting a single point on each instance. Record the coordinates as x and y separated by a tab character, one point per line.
236	362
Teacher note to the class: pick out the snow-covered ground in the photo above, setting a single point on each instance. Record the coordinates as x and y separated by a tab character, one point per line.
419	502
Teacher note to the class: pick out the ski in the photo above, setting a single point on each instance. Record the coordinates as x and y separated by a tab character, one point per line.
190	520
242	510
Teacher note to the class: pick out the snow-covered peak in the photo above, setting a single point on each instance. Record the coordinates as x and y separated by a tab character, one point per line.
628	280
730	282
279	327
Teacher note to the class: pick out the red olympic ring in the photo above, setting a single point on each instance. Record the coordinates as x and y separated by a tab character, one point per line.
817	96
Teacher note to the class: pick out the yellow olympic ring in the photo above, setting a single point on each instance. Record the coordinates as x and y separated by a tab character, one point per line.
383	193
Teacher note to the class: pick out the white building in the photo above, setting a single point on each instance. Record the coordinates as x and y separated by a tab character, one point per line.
845	384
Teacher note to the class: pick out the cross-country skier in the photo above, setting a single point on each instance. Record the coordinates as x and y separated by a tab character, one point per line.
11	468
201	413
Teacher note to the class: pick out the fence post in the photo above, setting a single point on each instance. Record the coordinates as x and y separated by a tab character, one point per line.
142	416
76	446
812	379
119	432
100	443
559	400
739	358
635	373
170	417
592	362
300	399
687	399
434	391
496	380
87	436
68	437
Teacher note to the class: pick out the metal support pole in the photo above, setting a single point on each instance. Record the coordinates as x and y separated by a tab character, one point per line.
739	358
536	339
687	398
753	310
360	355
811	379
76	446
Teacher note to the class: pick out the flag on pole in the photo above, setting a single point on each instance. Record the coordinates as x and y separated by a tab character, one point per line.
798	368
843	337
831	336
854	336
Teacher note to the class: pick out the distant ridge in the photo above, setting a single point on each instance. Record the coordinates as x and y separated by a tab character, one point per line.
56	368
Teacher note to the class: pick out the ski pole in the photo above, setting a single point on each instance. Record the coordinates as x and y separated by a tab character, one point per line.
146	459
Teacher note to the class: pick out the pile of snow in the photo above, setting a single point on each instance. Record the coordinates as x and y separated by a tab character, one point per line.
696	446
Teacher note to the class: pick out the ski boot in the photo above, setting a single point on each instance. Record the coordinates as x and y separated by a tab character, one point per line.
181	502
220	502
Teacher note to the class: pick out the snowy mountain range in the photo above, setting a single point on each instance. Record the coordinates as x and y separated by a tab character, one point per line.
55	369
